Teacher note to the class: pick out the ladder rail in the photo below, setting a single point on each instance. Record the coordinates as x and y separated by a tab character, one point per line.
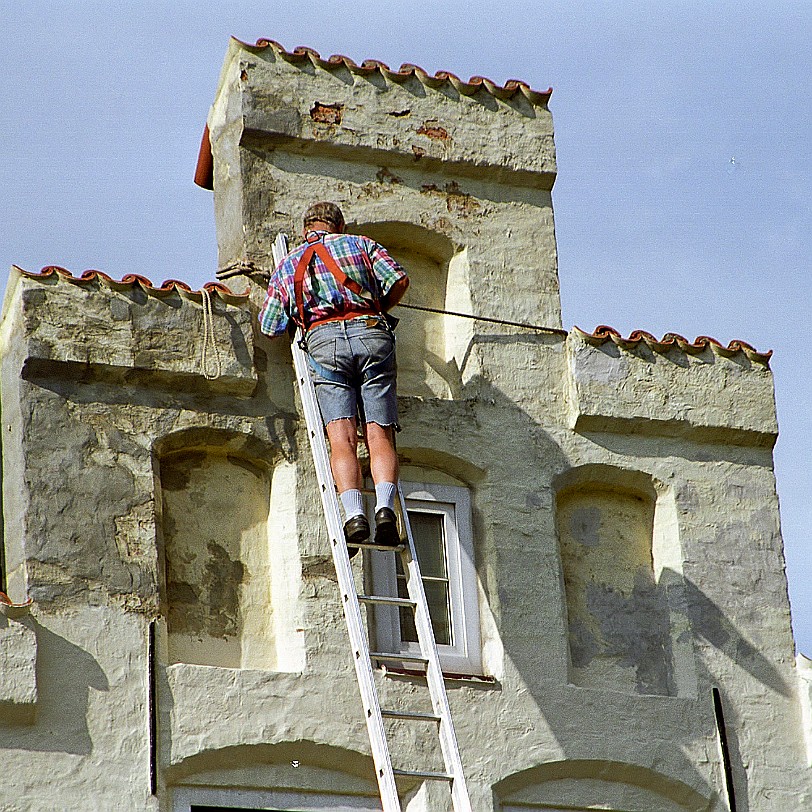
352	610
434	673
351	603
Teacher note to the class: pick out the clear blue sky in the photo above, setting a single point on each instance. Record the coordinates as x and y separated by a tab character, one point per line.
682	128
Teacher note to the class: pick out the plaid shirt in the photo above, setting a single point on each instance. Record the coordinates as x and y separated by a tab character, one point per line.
361	258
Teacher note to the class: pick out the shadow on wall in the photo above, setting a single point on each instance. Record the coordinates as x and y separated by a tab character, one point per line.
65	675
613	543
632	514
524	619
427	343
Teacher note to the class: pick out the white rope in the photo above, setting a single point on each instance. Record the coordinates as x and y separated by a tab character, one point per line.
209	340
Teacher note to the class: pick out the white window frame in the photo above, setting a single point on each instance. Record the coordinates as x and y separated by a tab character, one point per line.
454	505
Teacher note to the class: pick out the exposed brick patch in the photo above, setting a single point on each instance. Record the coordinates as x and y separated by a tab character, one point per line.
327	113
457	201
433	130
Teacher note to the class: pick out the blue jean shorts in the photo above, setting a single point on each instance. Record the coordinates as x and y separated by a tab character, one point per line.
355	372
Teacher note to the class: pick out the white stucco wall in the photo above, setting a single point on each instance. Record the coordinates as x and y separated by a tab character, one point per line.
101	385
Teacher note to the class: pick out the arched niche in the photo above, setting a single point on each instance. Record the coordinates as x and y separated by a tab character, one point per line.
432	347
619	548
222	519
293	776
582	785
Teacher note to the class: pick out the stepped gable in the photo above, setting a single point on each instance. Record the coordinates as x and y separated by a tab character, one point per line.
604	333
130	280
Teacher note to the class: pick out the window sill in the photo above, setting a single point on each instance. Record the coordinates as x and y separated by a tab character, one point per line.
477	679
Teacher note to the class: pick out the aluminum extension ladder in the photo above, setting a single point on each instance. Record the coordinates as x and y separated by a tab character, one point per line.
351	600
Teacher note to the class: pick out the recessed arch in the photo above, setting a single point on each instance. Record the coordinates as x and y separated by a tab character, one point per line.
584	784
618	541
227	548
432	347
288	775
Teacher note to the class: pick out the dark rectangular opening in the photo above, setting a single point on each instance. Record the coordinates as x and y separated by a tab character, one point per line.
197	808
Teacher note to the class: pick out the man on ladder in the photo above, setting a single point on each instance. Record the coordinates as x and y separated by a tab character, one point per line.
337	288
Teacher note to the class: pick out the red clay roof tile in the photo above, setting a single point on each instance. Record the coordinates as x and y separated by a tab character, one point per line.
368	66
130	280
204	169
604	333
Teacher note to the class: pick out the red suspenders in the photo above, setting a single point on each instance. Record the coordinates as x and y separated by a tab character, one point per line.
318	247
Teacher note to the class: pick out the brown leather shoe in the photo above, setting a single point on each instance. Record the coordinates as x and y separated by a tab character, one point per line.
356	529
386	527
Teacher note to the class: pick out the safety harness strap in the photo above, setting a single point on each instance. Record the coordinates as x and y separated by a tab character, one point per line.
318	247
331	375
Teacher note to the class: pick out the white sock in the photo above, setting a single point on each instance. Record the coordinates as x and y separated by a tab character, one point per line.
353	503
385	495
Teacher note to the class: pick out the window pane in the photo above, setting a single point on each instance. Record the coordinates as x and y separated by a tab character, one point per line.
408	633
428	530
437	596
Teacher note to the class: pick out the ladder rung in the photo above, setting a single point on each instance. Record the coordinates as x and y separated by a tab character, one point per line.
411	715
407	658
369	545
387	600
424	774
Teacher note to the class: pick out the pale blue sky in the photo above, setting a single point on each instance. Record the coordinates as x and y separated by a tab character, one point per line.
682	128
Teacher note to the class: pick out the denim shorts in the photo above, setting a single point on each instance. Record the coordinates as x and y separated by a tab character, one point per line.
355	370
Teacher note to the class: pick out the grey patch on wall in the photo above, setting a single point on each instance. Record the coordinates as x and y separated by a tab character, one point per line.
636	630
175	473
222	580
212	608
585	525
583	645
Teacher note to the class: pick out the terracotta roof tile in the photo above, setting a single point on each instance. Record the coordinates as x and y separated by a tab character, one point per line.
406	71
204	169
14	610
131	280
604	333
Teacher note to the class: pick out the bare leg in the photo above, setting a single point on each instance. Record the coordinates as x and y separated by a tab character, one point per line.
343	454
383	458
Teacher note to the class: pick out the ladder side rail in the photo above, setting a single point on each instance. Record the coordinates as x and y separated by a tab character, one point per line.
352	611
434	673
346	582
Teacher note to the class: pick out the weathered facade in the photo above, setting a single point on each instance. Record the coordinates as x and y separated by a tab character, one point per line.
613	500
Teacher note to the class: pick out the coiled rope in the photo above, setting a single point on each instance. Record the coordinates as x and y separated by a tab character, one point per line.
209	339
